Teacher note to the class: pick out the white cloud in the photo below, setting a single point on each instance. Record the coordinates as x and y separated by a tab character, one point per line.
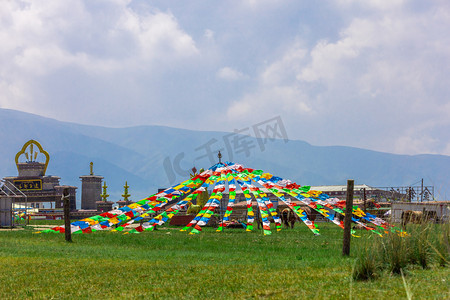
40	38
326	59
276	92
377	4
284	70
384	71
269	102
264	4
209	34
159	36
416	144
230	74
446	150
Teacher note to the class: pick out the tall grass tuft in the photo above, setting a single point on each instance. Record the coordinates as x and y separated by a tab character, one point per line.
367	264
419	246
442	245
424	245
394	253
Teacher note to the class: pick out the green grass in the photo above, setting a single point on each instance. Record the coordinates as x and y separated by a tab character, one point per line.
40	222
174	265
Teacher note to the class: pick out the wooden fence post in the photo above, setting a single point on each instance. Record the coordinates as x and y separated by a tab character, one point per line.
365	200
66	202
348	218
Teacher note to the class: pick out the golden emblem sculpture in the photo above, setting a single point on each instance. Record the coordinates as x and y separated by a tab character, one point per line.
31	154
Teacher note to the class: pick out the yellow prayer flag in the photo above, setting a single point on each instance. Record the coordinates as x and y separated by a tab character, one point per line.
114	220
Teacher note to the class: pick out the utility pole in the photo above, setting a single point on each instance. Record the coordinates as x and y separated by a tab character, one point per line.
348	218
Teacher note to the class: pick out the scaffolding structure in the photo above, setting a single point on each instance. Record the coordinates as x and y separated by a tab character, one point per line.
418	193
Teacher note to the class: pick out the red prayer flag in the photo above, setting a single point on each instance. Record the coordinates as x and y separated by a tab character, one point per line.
87	230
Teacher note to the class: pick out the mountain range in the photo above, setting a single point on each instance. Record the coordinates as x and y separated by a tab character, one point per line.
152	157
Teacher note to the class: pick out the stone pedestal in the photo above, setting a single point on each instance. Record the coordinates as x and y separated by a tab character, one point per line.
31	169
104	206
123	203
91	189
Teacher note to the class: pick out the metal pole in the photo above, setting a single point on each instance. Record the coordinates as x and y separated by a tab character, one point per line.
348	218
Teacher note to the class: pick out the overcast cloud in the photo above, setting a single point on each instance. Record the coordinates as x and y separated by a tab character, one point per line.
372	74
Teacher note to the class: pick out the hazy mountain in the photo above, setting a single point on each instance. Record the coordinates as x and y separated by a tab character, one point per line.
146	156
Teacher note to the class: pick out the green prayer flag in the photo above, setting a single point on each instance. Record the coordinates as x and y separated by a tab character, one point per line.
305	188
258	172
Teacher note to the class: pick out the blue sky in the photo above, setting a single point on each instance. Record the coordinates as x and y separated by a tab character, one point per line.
372	74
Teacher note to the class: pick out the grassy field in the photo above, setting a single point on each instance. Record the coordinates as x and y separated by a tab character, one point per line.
170	264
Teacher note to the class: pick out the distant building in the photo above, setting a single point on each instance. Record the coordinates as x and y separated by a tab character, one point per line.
32	186
340	191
